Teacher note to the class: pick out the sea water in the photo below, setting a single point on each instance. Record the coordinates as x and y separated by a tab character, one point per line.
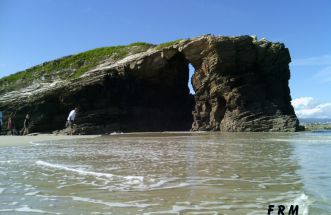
169	173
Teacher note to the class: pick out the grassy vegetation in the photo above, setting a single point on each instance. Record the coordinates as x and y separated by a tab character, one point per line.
167	44
69	67
73	66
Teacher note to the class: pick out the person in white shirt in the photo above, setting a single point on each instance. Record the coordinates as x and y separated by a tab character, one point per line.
71	119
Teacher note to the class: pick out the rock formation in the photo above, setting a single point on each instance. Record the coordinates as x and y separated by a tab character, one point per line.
241	84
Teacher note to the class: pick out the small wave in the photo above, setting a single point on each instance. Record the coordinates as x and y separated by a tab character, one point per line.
131	179
193	209
81	172
8	161
112	204
31	193
160	187
121	182
158	184
116	133
27	209
303	202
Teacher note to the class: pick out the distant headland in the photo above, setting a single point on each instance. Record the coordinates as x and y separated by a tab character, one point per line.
240	83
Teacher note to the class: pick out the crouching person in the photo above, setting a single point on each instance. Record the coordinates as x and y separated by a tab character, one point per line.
71	120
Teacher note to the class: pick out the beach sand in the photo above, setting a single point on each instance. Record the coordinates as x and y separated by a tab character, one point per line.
24	140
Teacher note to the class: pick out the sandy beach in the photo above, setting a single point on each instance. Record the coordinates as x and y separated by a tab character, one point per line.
23	140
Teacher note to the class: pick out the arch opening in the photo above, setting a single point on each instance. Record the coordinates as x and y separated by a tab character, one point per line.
191	72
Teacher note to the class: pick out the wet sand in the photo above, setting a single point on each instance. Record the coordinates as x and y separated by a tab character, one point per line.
24	140
167	173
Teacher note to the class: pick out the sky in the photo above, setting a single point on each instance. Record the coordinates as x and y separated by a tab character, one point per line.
35	31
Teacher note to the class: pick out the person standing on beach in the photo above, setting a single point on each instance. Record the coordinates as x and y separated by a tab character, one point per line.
27	121
71	119
1	123
11	125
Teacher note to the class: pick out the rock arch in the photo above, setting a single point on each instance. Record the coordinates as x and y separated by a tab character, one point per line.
240	83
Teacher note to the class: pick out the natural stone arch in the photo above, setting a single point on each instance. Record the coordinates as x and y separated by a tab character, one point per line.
240	83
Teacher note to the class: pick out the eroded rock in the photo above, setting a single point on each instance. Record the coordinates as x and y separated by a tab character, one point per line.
241	84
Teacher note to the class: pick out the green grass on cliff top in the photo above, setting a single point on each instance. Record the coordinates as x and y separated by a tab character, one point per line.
73	66
167	44
69	67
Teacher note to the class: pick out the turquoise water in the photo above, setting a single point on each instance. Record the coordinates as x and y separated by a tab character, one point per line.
169	173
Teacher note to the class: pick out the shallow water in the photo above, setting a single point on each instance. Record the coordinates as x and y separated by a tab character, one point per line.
160	173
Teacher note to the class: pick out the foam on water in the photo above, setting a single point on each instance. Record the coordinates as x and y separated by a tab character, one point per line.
32	193
193	209
130	182
8	161
130	179
81	172
303	202
27	209
112	204
116	133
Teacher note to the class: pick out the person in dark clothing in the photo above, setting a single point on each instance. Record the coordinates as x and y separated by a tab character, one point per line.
11	125
27	121
1	122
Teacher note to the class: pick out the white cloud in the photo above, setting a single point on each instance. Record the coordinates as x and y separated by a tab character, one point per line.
308	107
302	102
324	60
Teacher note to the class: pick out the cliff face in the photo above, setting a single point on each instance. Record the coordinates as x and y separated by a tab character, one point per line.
241	84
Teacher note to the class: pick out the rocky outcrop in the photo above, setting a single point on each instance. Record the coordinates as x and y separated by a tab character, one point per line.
241	84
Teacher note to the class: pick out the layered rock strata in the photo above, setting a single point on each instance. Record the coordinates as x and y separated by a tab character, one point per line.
241	84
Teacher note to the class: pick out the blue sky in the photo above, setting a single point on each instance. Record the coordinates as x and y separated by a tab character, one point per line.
34	31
